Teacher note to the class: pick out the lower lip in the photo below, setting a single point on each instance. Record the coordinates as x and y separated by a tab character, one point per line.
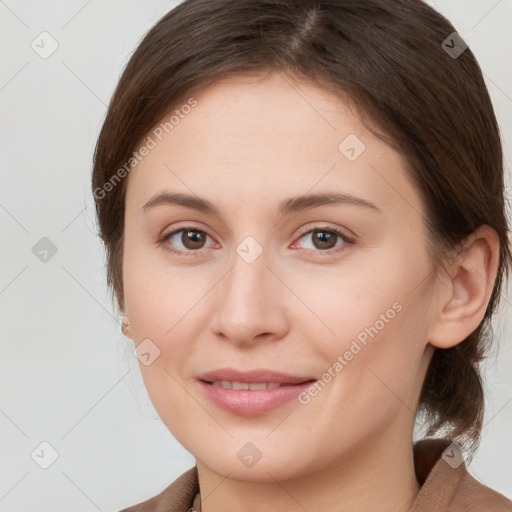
251	403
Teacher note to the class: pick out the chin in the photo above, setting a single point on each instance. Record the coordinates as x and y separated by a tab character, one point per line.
250	464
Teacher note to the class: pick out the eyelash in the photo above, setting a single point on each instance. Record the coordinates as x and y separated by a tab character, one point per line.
346	240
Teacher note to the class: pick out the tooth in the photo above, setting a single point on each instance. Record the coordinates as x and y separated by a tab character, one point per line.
258	386
255	386
240	385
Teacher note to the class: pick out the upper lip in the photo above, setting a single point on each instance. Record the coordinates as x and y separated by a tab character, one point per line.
261	375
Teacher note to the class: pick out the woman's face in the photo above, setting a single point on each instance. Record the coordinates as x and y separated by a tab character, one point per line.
265	283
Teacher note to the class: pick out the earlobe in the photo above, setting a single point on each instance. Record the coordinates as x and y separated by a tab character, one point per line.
125	326
466	289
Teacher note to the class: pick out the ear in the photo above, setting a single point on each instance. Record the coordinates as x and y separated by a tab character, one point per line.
125	325
465	289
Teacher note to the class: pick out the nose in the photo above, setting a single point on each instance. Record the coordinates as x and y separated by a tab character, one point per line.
251	303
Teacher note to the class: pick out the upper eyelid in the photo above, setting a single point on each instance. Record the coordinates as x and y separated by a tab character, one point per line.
343	231
190	227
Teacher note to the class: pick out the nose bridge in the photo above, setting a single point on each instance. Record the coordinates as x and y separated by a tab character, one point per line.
250	303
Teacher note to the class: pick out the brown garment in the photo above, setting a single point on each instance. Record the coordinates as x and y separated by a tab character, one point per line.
445	484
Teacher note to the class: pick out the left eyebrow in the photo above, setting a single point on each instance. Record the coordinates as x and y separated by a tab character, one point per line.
293	204
305	202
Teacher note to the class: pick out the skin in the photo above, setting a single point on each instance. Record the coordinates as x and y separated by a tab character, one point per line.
250	143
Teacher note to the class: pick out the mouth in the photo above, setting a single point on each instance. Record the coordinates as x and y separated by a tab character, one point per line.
252	386
229	377
251	393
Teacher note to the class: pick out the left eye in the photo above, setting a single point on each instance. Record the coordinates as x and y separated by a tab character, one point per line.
324	239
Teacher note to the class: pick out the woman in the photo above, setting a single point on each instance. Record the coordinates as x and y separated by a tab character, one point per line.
302	205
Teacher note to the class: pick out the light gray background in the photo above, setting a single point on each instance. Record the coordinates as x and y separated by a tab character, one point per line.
68	376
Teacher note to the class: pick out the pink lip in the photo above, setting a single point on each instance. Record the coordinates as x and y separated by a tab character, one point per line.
251	403
246	402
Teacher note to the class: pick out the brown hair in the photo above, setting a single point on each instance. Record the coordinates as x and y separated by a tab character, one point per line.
388	59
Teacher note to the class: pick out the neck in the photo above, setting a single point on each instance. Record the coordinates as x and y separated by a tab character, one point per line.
376	475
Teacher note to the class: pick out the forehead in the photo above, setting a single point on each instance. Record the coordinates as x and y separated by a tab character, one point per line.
254	115
268	133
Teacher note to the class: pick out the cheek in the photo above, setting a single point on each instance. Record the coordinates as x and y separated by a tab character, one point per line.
160	299
344	303
383	360
377	321
369	377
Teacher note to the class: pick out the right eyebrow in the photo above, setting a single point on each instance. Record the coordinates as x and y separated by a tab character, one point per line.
186	200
